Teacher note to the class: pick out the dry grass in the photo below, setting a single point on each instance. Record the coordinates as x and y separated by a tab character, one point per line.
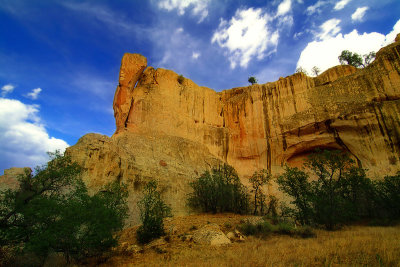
351	246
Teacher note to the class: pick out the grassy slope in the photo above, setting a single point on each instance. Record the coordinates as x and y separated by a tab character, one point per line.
351	246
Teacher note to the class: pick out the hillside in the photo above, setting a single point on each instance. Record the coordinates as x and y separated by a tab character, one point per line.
351	246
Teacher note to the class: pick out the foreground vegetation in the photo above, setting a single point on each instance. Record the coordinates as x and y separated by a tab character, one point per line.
153	210
52	212
330	191
351	246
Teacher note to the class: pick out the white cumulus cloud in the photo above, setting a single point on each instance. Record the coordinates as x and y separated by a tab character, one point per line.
329	28
199	7
358	15
324	52
392	35
284	7
8	88
34	94
24	141
245	36
341	4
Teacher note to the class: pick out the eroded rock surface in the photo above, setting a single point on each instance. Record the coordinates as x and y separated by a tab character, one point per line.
136	159
268	125
172	130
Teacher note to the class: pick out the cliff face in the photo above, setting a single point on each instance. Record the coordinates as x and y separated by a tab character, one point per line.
172	130
268	125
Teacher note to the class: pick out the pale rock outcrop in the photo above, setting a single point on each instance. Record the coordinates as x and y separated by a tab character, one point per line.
210	234
132	66
135	159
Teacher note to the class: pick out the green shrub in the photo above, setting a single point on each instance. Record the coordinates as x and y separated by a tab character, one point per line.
52	211
247	228
387	198
153	210
265	228
260	229
305	232
219	191
181	79
286	229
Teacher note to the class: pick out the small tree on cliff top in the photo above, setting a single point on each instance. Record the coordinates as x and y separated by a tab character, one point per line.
252	80
315	70
301	70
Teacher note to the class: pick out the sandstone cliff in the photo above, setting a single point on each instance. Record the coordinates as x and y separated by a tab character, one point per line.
172	130
267	125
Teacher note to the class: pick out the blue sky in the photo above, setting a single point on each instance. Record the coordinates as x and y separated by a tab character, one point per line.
59	60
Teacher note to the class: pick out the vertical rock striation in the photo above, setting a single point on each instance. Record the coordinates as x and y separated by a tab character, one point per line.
132	66
268	125
173	130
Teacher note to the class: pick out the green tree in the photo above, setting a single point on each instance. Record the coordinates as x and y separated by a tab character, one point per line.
295	183
339	192
387	198
301	70
219	191
329	203
358	191
368	58
181	79
153	210
52	211
349	58
257	181
252	80
315	70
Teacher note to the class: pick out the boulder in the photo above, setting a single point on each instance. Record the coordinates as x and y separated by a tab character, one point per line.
210	234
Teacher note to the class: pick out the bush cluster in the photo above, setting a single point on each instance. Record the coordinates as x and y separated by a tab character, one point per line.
53	212
265	228
219	191
153	210
341	192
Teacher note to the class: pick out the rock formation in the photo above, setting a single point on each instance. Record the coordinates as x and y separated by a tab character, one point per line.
267	125
171	129
10	178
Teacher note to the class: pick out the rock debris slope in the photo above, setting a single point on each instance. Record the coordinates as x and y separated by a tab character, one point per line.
171	130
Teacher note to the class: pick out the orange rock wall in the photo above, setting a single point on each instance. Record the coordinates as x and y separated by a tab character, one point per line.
268	125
